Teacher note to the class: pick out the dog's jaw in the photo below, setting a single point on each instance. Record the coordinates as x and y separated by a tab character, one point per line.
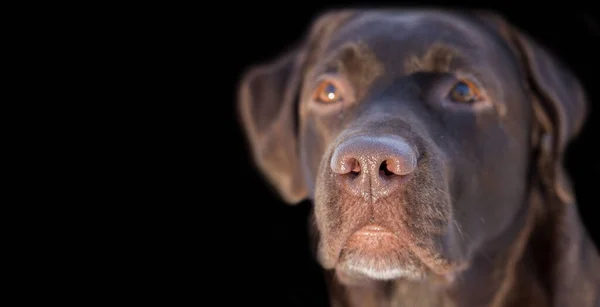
376	253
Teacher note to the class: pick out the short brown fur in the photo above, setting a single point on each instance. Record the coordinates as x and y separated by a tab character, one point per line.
487	217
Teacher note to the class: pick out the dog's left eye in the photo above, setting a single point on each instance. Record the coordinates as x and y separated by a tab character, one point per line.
465	91
327	92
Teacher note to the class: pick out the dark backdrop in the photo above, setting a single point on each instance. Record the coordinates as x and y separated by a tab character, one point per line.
261	249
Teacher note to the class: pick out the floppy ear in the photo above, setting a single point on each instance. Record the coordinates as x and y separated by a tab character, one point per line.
267	106
559	101
562	99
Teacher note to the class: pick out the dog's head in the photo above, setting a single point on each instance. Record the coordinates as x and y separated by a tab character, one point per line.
415	133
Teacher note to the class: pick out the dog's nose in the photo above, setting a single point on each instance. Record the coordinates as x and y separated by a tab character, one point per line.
373	167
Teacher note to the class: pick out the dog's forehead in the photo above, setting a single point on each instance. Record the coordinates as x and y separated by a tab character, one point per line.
395	35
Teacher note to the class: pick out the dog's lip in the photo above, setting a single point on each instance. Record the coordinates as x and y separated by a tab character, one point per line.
374	238
373	230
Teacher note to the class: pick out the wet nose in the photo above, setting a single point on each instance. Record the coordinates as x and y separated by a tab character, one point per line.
373	167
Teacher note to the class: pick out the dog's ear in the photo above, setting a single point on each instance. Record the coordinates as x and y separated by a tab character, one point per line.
267	105
559	100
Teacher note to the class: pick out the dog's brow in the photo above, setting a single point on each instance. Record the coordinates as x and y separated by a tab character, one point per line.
358	63
341	56
348	53
437	58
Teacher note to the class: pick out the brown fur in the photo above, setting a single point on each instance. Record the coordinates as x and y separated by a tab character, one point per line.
437	58
488	216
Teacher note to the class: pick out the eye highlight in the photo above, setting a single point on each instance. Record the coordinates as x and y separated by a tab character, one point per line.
327	92
465	91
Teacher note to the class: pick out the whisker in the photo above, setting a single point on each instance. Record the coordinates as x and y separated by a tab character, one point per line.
458	228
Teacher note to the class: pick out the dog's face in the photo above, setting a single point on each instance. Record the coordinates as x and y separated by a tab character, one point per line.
412	142
410	130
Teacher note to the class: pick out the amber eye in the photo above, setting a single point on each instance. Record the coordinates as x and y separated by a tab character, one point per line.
327	92
465	92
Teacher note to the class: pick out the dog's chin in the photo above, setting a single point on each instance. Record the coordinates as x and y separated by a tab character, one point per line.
374	253
357	271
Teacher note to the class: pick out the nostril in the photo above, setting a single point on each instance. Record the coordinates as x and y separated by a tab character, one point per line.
396	166
384	169
355	168
345	165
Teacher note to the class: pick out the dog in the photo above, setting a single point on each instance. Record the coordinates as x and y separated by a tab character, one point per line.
430	143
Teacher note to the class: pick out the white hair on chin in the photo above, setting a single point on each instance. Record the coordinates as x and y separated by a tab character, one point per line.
375	270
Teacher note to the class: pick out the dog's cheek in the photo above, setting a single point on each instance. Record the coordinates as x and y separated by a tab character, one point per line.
432	219
316	148
428	202
499	191
311	153
327	214
330	202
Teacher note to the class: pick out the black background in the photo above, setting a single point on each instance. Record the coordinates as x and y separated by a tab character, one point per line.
259	246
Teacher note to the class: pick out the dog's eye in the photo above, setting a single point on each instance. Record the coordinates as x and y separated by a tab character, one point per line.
465	92
327	92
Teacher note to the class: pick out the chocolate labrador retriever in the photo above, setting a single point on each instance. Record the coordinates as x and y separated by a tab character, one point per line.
430	143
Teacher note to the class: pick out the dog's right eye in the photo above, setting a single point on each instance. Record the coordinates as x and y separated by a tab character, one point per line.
465	91
327	92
